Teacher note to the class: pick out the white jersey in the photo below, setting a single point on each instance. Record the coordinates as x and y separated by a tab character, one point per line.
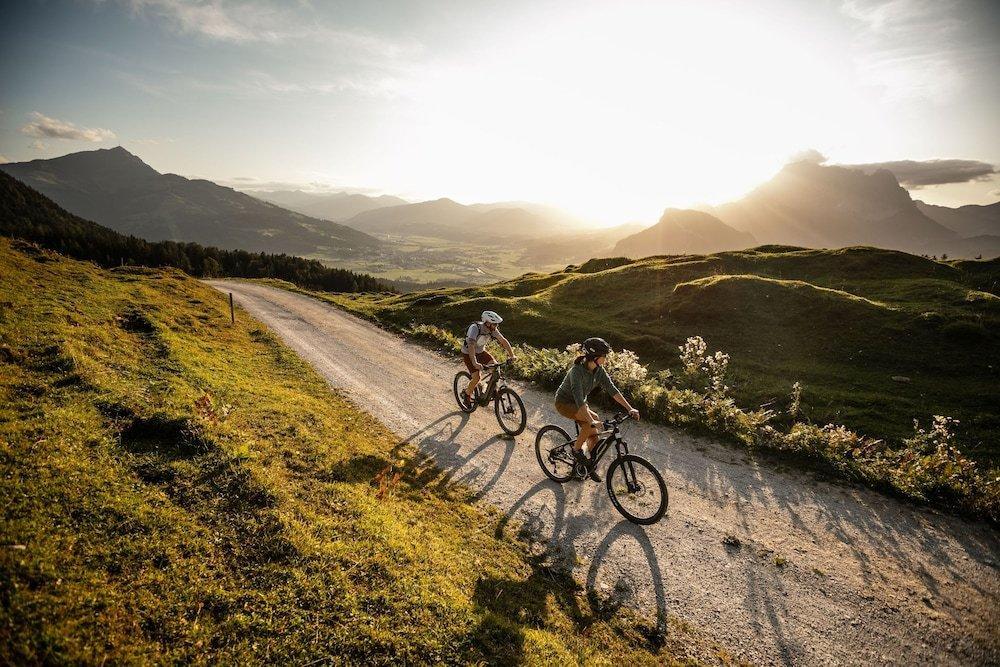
478	333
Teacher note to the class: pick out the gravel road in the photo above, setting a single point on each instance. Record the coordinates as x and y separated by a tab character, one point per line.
823	572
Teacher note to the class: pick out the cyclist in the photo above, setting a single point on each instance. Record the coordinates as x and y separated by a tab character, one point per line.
474	349
571	398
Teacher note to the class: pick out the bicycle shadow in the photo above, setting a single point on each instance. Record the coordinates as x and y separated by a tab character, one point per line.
551	536
441	464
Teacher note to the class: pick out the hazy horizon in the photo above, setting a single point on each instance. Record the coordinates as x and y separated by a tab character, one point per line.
612	112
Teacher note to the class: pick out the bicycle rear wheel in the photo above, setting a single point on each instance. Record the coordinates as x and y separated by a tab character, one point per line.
554	450
637	489
510	411
461	381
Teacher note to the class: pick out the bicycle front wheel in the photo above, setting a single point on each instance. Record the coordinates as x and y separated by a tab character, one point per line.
637	489
554	450
462	380
510	411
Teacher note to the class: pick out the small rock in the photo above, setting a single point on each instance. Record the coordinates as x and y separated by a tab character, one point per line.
900	378
18	547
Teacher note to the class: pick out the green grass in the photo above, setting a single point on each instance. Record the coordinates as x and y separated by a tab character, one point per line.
843	322
176	489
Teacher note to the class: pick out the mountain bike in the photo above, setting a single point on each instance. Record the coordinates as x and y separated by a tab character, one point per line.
508	406
636	488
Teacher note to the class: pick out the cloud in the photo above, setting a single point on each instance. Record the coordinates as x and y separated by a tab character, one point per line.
151	142
44	127
915	174
3	159
916	49
38	145
809	155
239	21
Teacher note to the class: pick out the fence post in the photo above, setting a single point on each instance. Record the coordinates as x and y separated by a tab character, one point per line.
232	311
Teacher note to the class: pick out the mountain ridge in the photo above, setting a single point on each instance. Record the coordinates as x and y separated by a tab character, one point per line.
117	189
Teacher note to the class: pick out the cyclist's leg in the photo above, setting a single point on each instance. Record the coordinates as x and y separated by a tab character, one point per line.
474	372
592	438
569	412
485	359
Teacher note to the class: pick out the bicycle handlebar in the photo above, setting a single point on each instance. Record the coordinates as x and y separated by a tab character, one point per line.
619	418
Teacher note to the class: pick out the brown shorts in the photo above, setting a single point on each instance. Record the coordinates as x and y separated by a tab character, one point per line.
568	410
483	357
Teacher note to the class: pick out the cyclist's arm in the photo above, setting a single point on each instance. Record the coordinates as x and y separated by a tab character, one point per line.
622	401
505	344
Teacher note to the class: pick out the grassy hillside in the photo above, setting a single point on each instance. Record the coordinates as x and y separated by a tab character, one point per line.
177	489
844	323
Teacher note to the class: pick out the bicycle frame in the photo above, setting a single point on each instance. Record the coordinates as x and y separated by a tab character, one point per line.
496	378
604	444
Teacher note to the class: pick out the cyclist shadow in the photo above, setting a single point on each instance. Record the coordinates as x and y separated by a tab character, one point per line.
552	553
440	458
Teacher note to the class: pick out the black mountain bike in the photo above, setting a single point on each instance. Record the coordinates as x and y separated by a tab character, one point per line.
508	405
635	487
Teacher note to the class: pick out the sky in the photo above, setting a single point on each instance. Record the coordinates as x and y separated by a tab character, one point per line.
612	110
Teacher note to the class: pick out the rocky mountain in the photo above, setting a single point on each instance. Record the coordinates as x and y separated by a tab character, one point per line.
683	232
335	206
971	220
820	206
119	190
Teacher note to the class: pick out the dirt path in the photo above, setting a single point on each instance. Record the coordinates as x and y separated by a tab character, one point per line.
824	573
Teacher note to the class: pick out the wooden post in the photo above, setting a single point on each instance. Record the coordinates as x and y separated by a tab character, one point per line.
232	311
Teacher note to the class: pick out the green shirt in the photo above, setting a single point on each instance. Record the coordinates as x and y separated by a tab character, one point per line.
579	382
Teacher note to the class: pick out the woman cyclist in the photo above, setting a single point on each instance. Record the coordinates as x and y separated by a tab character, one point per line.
571	397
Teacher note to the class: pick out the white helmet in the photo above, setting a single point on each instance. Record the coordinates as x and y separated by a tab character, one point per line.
491	317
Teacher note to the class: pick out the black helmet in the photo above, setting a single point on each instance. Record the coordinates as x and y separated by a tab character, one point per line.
596	347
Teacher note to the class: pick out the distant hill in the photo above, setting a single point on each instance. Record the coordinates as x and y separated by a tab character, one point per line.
447	219
968	221
334	206
576	246
119	190
681	232
845	323
29	215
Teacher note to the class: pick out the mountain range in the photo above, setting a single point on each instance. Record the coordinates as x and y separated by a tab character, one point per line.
336	206
447	219
117	189
824	206
969	221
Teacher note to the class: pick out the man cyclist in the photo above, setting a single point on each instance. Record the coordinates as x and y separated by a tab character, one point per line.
474	349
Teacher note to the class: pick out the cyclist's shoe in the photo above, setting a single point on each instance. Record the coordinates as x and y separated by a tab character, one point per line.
467	401
584	461
581	464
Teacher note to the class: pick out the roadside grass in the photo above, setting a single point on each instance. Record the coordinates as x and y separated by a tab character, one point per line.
179	490
875	337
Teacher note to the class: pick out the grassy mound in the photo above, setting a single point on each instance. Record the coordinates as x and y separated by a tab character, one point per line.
177	489
875	337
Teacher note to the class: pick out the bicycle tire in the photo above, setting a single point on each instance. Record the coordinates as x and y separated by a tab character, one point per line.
518	407
557	435
633	460
461	381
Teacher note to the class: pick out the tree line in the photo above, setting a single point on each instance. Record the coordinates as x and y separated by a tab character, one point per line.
27	214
